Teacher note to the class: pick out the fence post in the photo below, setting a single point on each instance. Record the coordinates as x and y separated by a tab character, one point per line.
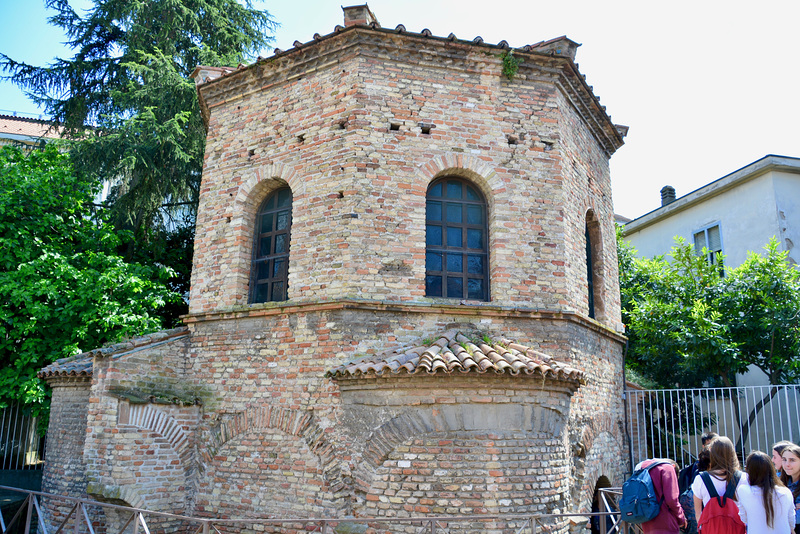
206	527
28	513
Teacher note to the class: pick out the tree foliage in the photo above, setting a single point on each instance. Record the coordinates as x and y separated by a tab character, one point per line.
63	288
690	323
129	80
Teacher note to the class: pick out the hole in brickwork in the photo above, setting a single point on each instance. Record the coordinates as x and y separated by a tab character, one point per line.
251	153
426	128
548	146
512	140
301	138
342	125
394	126
340	194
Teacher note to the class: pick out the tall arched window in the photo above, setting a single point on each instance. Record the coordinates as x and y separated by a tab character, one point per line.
270	272
594	267
589	271
456	237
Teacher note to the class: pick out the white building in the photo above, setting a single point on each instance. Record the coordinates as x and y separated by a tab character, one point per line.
734	215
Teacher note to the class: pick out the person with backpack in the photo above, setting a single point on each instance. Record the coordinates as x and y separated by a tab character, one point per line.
790	476
765	504
715	491
687	496
670	518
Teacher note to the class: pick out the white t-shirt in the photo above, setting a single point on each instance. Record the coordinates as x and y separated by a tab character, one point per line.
700	491
751	510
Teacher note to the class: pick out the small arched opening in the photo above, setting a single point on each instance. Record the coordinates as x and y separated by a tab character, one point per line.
597	506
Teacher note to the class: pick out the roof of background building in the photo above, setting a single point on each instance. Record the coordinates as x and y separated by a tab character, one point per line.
761	166
23	127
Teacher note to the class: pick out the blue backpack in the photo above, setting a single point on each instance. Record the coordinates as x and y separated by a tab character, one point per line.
639	502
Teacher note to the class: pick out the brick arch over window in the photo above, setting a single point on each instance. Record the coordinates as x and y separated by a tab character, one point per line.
147	417
250	195
595	269
599	461
300	424
464	166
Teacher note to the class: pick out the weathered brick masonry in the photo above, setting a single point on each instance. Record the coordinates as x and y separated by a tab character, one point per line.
325	404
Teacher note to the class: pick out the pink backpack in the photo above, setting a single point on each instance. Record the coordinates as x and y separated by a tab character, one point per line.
721	514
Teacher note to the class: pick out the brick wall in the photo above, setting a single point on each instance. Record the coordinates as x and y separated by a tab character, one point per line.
141	418
239	417
64	467
359	186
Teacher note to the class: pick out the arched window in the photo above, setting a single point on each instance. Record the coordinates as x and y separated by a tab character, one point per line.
456	238
594	267
270	273
589	273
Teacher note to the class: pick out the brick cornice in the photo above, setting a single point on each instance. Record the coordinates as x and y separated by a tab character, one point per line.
425	50
473	310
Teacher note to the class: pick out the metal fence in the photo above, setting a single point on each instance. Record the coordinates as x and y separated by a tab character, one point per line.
21	445
50	514
669	423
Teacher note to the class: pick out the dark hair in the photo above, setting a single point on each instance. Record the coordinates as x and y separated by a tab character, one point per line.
786	479
761	473
778	447
708	436
703	460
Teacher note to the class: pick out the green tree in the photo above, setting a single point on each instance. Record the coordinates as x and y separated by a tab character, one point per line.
129	80
760	303
690	323
63	288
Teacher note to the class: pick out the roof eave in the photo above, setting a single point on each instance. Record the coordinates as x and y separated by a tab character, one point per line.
749	172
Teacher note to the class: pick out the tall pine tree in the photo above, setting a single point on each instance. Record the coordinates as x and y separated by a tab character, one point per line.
126	99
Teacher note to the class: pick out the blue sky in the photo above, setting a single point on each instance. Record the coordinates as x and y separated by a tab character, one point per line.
705	86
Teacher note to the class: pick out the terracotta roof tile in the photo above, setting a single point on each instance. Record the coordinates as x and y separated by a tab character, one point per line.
28	127
81	364
454	352
78	365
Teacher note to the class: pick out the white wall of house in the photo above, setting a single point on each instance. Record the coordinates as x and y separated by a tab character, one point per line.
748	209
787	195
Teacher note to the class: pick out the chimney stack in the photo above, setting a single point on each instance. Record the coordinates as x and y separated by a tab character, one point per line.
667	195
358	15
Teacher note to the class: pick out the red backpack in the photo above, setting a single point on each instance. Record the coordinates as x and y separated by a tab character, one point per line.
721	514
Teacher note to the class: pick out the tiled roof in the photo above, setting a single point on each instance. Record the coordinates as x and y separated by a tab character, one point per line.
27	127
81	364
454	352
560	46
